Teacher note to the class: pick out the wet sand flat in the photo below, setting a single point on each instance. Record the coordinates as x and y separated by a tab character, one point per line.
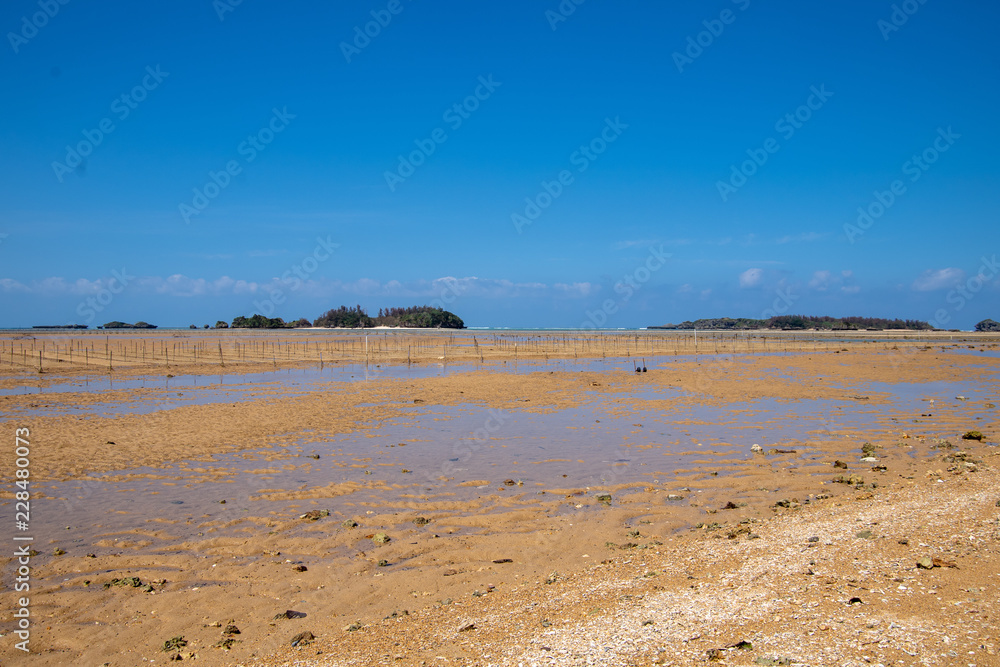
568	509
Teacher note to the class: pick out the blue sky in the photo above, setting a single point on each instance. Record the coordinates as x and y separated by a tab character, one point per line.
620	165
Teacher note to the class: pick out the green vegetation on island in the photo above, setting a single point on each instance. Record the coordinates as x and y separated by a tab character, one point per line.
59	326
125	325
344	317
258	321
988	326
800	322
417	317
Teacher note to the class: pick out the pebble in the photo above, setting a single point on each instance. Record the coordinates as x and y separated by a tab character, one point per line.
303	638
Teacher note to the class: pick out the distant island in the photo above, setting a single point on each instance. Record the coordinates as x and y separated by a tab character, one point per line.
124	325
988	326
59	326
800	322
417	317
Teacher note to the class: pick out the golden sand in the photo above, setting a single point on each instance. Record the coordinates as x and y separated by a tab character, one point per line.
544	570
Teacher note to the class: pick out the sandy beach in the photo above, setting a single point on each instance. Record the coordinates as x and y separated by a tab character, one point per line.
803	500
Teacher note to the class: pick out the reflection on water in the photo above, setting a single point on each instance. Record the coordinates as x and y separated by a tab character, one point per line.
460	453
308	378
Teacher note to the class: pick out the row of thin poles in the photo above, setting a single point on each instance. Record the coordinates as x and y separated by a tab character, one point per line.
44	352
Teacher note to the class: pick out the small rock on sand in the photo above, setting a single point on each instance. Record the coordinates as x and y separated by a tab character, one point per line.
303	638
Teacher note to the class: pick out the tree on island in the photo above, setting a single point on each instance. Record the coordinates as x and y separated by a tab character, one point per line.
258	321
988	326
423	317
418	317
124	325
344	318
221	325
800	322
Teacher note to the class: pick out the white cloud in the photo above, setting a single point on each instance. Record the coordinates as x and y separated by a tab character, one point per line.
11	285
850	289
180	285
577	289
751	277
940	279
820	280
